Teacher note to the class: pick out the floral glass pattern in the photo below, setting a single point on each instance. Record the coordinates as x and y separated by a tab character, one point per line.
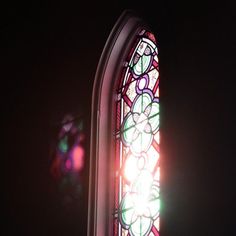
137	183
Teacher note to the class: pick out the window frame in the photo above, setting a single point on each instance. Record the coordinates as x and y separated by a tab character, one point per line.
102	141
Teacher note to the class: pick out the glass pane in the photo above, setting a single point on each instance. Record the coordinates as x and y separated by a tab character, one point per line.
137	202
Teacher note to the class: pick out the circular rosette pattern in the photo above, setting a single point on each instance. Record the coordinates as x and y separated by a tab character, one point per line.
141	123
141	206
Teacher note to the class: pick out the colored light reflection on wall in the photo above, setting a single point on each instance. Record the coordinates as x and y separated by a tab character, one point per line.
68	158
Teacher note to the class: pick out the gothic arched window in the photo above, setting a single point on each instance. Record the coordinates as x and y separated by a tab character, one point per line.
124	160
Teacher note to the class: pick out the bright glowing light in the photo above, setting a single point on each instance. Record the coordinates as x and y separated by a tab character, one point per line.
78	158
157	223
142	187
158	93
140	204
130	169
142	121
141	162
152	159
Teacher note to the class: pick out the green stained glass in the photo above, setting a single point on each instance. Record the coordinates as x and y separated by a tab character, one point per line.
142	64
63	145
142	226
140	123
127	210
129	128
141	103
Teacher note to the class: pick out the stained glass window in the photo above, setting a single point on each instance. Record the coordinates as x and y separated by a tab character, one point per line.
124	175
137	177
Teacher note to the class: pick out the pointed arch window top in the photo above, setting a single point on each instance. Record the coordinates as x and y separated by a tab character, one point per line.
125	137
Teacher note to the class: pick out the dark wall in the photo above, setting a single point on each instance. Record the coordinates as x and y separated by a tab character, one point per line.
49	56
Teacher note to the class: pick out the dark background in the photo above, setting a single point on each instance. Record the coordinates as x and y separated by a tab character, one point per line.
49	54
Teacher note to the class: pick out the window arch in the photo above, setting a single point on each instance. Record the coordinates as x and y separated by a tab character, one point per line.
124	159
